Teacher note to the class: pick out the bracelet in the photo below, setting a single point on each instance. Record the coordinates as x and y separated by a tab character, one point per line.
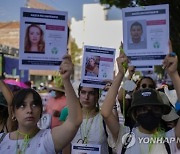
177	105
172	54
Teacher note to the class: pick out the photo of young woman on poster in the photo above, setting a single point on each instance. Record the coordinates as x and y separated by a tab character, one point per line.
34	39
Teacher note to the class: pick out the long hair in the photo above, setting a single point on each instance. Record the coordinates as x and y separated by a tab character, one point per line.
3	114
3	109
27	42
89	66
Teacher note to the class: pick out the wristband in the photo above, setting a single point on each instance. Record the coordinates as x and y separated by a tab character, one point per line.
177	105
172	54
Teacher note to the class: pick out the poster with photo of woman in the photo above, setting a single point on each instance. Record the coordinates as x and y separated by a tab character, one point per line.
43	38
98	66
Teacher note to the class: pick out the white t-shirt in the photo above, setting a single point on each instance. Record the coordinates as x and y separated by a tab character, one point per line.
42	143
141	146
96	133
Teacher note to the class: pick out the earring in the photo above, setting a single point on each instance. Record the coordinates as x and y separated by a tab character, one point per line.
13	118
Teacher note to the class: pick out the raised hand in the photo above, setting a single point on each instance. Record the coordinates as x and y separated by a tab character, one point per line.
171	61
131	70
66	67
120	61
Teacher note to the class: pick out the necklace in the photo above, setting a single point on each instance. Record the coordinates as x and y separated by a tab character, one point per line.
21	149
85	131
159	134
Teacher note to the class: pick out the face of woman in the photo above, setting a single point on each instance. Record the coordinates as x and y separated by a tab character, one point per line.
28	113
34	35
88	97
92	62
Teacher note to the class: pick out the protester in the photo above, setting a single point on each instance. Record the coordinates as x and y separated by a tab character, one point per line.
144	82
55	104
27	109
92	129
34	39
147	109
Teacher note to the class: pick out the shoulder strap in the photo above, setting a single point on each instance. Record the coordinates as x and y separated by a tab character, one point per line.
167	147
104	125
109	148
127	141
2	137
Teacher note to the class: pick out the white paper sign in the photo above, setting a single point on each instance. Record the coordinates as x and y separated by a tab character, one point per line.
144	68
98	66
146	34
43	38
85	148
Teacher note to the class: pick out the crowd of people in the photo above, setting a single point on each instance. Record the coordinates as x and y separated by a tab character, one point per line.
80	120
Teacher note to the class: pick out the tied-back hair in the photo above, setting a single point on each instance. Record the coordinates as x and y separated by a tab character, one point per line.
19	98
96	90
27	42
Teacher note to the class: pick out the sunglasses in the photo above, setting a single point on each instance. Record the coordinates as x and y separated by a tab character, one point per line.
148	86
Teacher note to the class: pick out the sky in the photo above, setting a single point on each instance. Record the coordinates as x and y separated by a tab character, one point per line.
10	9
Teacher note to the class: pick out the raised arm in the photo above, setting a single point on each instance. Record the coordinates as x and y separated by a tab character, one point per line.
170	64
109	101
8	95
62	135
131	70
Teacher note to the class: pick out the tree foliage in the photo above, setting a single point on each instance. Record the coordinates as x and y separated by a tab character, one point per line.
75	52
174	13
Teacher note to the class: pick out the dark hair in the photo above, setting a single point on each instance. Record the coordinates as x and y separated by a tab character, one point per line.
145	77
3	114
19	97
137	24
3	109
96	90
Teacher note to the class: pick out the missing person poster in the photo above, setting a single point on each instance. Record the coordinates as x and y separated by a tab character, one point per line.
43	38
146	34
98	66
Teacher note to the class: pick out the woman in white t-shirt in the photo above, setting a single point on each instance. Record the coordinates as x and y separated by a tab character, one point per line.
27	110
